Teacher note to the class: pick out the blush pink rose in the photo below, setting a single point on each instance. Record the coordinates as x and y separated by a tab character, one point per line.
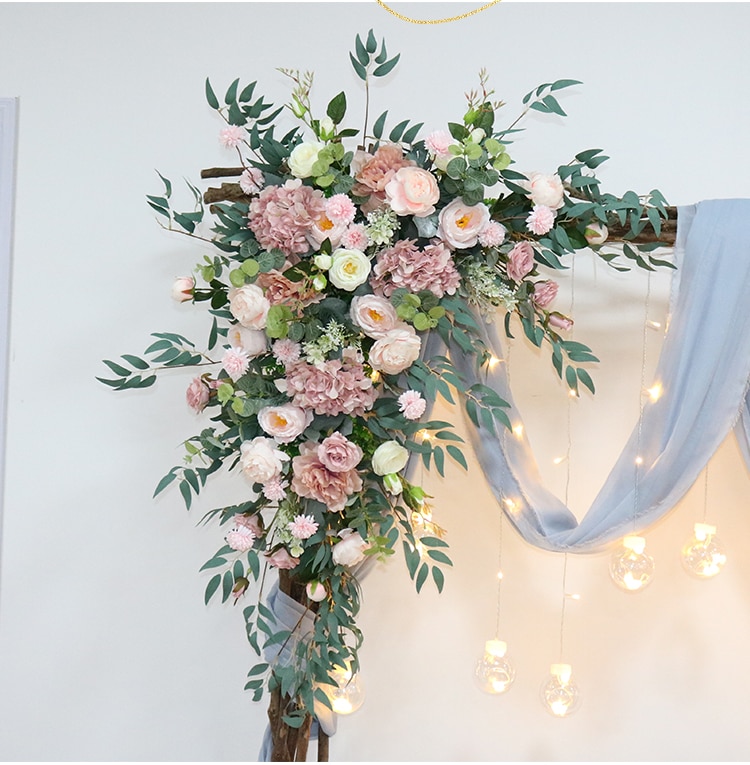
198	394
312	479
249	306
324	228
544	293
460	225
520	261
260	460
545	190
339	454
350	550
396	351
284	423
412	191
374	315
252	341
560	321
182	289
281	559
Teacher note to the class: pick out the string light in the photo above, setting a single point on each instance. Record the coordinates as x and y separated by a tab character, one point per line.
703	555
347	695
518	430
560	695
654	392
630	567
492	362
494	674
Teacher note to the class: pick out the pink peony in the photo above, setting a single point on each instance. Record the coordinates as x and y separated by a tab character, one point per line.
373	314
241	538
182	289
405	265
340	209
231	136
437	143
396	351
493	235
350	550
520	261
260	460
274	490
282	291
284	423
355	238
544	293
312	479
541	219
412	191
198	394
460	225
412	404
545	190
286	351
252	522
338	454
372	172
235	362
249	306
560	321
281	559
252	180
303	526
282	216
324	228
334	387
252	341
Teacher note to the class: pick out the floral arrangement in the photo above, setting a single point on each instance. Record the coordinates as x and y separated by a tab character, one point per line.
331	264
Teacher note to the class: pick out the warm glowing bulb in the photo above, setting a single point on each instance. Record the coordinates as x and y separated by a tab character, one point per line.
426	436
654	324
560	695
703	556
499	574
639	460
493	361
630	567
347	696
654	392
574	596
558	460
518	430
572	393
510	504
494	674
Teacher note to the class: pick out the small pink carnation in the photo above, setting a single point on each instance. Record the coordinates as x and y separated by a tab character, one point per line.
197	394
232	136
303	526
412	404
544	293
541	219
274	490
241	538
493	235
286	351
355	238
252	181
235	362
340	209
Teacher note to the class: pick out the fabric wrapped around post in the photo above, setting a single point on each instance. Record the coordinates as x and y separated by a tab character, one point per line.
704	369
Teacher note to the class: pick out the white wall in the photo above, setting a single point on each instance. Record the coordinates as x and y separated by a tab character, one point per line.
106	649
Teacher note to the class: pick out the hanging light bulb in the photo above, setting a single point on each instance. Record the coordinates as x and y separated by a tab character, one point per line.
630	567
703	556
348	695
560	695
494	673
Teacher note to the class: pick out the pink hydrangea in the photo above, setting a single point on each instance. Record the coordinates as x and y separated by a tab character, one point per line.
198	394
303	526
493	235
373	172
541	220
252	180
274	490
340	209
232	136
241	538
544	293
313	480
411	404
520	261
282	216
405	265
334	387
355	238
235	362
286	351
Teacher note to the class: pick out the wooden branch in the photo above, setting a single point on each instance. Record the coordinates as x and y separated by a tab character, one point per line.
227	192
222	172
323	745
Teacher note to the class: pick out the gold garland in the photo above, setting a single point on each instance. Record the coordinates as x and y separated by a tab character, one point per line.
436	21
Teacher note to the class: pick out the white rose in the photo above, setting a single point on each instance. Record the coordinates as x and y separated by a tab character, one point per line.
350	550
249	306
389	457
546	190
326	127
323	262
395	351
303	157
260	460
284	423
252	341
596	233
374	315
349	269
460	225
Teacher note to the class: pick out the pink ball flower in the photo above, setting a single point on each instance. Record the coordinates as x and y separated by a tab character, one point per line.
544	293
251	522
235	362
520	261
493	235
312	479
405	265
286	351
460	225
231	136
373	314
284	423
274	490
396	351
412	191
197	394
560	321
412	404
182	289
281	559
541	220
252	181
241	538
340	209
338	454
303	526
355	238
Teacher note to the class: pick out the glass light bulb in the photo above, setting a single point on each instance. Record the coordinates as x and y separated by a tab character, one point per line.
630	567
560	695
494	673
703	555
348	695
